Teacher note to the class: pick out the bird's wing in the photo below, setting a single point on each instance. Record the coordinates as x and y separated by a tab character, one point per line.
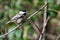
16	17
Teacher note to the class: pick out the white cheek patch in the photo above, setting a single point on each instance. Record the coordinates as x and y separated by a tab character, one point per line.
21	12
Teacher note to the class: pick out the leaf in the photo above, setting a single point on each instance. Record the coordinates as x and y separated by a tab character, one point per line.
33	18
52	14
11	11
11	35
26	27
18	34
54	6
11	24
6	7
1	38
50	1
12	4
18	4
35	2
1	14
30	31
57	30
1	1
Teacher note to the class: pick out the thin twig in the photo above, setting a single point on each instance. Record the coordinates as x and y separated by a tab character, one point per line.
35	27
18	25
37	11
9	31
45	26
44	22
53	10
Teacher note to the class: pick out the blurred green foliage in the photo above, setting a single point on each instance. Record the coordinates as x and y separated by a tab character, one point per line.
8	8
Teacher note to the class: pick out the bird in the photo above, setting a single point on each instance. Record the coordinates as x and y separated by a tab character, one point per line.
18	17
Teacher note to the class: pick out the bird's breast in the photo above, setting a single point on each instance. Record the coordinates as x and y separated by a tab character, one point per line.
19	20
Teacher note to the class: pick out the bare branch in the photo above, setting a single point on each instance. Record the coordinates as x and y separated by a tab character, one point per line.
37	11
53	10
45	25
19	25
44	22
3	35
35	28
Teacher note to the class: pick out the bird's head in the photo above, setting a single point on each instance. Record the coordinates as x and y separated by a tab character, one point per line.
22	12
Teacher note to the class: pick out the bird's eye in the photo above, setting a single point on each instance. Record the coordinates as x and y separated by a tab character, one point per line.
24	14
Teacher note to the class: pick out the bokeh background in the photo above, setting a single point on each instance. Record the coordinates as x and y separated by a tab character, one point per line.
8	8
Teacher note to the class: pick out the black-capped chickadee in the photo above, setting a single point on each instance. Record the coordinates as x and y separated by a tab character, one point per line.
18	17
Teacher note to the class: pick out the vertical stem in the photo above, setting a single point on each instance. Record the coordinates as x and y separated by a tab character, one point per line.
44	20
42	35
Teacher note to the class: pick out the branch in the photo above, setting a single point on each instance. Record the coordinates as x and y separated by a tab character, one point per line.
53	10
44	22
36	11
45	26
26	21
35	27
10	31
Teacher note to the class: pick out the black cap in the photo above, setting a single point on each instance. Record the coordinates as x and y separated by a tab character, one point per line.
23	10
